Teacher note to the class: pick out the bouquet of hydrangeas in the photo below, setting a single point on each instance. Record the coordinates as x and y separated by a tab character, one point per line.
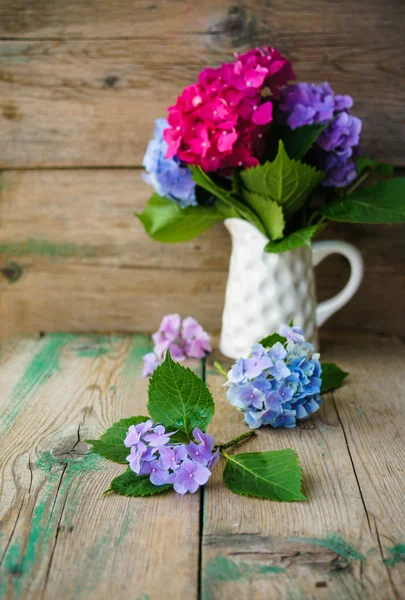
246	141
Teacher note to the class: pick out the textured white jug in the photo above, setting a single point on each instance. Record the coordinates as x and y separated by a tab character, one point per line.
264	290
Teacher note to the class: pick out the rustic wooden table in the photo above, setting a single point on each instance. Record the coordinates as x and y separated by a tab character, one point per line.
60	538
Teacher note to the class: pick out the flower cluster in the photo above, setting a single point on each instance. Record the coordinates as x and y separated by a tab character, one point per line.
167	175
186	466
185	338
279	385
335	149
219	122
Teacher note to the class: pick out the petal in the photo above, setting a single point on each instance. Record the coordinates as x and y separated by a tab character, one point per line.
263	114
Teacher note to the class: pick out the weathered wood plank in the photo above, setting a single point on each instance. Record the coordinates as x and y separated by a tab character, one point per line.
61	537
72	234
91	102
331	546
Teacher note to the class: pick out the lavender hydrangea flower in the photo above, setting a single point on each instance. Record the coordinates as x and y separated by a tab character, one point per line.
159	436
337	146
197	341
286	390
167	175
153	454
185	338
190	476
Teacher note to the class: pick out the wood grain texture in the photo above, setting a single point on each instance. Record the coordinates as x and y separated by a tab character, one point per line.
339	543
60	537
81	83
74	258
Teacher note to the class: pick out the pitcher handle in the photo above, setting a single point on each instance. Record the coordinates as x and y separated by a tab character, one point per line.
321	250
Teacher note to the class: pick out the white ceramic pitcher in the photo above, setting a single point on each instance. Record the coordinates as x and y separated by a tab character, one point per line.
264	290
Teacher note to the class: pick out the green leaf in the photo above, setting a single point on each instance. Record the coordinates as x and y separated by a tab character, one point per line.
226	203
297	142
275	475
287	182
383	202
299	238
111	443
383	169
332	377
179	399
131	484
270	340
270	213
165	221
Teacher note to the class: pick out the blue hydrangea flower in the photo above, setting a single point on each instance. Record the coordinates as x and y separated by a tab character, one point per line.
167	175
278	385
337	146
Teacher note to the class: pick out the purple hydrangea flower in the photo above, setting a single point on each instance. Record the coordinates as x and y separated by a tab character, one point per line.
157	474
171	457
189	476
257	362
334	150
153	454
167	175
150	363
292	334
184	338
167	334
159	436
135	432
287	389
197	341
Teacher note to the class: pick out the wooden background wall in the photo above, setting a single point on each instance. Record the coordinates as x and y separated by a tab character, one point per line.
80	86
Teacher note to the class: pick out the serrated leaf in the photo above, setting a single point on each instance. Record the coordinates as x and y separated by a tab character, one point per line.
302	237
275	475
383	169
131	484
287	182
270	340
179	399
270	213
383	202
332	377
165	221
111	443
297	142
226	203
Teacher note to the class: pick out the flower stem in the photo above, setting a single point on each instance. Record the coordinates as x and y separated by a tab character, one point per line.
220	369
237	440
224	454
358	182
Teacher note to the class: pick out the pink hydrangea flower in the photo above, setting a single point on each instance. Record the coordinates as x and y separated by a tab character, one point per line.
183	338
219	122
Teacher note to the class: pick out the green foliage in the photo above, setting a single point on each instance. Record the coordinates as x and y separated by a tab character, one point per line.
270	340
383	202
332	377
130	484
165	221
275	475
270	213
383	169
297	142
285	181
226	204
302	237
111	443
179	399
